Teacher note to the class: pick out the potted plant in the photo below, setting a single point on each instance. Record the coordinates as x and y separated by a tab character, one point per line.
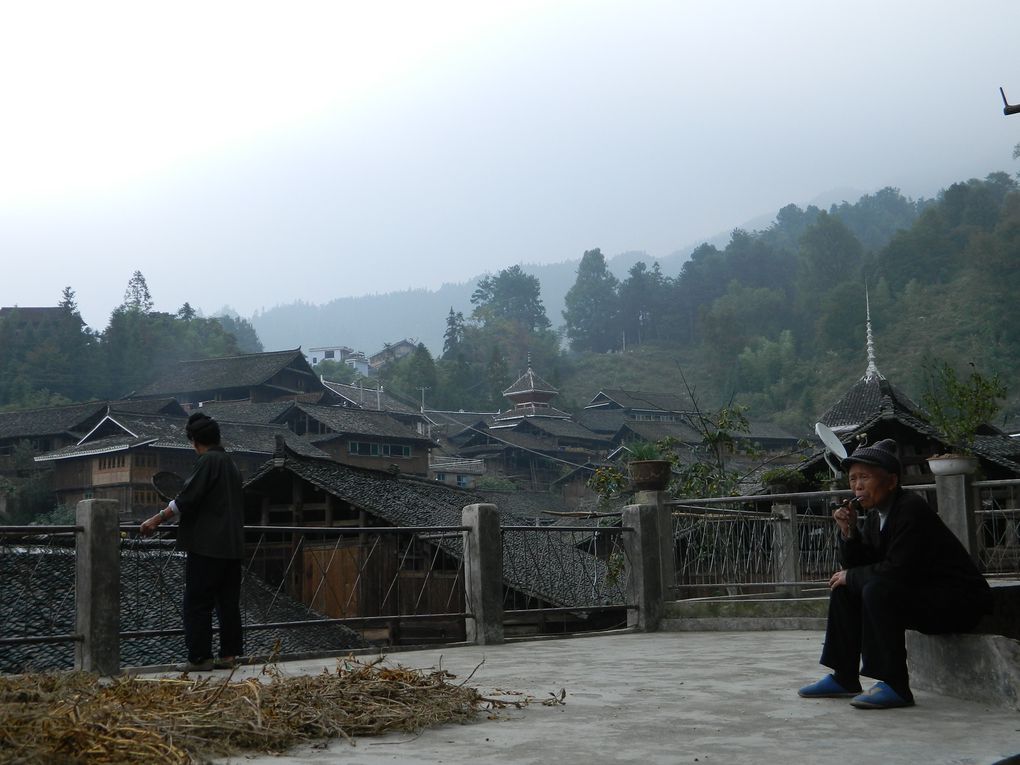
957	408
783	479
648	466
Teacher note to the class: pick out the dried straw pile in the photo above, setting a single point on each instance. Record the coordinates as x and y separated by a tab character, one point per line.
77	718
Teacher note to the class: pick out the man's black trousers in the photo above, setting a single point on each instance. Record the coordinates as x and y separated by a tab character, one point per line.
868	623
212	583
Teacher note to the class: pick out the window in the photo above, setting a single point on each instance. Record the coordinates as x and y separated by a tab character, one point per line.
440	477
328	355
368	449
111	462
462	481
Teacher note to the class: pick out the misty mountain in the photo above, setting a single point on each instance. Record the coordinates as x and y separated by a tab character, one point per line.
367	322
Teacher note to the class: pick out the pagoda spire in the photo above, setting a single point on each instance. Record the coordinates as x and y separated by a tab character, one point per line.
872	371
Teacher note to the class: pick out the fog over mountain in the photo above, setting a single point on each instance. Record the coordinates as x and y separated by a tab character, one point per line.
367	322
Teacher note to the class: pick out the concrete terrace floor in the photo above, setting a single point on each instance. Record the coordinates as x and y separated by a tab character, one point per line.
668	697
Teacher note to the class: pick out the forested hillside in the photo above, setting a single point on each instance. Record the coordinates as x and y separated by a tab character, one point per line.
774	319
52	358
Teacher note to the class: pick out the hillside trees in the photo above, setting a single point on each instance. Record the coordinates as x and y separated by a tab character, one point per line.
592	313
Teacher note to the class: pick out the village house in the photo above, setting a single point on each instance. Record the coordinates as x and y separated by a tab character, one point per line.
118	457
390	576
874	408
392	352
350	435
532	443
254	377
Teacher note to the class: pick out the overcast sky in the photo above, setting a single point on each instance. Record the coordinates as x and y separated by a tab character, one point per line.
253	153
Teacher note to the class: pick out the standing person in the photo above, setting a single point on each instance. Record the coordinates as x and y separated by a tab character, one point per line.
902	568
211	531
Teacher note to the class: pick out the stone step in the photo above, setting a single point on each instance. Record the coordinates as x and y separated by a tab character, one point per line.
755	614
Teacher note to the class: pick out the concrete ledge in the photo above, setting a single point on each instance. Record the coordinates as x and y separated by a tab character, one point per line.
983	668
763	608
741	624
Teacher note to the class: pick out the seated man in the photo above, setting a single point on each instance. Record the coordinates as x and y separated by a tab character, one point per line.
902	569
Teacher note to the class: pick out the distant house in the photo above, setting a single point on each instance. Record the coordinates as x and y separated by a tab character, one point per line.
353	436
392	352
338	353
874	408
29	318
117	458
532	442
641	405
375	398
54	427
403	573
254	377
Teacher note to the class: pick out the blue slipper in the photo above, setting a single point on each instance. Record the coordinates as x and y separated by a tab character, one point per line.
880	696
826	688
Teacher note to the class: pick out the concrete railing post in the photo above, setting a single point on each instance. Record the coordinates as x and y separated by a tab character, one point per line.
97	587
786	549
664	533
483	574
957	500
644	573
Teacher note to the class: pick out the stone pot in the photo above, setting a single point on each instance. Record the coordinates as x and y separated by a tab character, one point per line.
952	464
649	475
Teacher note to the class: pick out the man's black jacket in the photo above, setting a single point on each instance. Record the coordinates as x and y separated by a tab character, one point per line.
211	505
915	548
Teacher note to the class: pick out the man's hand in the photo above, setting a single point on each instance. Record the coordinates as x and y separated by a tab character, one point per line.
838	579
148	527
845	517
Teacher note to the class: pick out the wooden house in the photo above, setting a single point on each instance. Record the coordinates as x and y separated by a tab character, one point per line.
254	377
532	442
392	579
352	436
117	458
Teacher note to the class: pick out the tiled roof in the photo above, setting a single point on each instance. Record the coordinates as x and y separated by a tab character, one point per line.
601	420
152	586
117	432
344	420
530	382
642	400
222	373
525	504
245	411
873	400
766	429
531	409
168	406
77	419
656	431
408	502
48	421
371	398
33	313
870	396
561	428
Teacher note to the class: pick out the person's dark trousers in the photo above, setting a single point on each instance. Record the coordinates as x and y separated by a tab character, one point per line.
212	583
869	623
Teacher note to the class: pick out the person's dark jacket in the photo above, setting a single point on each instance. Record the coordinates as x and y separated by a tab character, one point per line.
211	505
915	548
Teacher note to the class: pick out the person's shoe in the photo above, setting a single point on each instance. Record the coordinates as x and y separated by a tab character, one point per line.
880	696
206	665
226	663
827	688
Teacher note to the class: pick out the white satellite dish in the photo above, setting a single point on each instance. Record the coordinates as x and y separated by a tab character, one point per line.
833	447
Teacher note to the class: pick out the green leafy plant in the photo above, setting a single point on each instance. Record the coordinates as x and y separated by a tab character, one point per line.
784	475
645	450
959	406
